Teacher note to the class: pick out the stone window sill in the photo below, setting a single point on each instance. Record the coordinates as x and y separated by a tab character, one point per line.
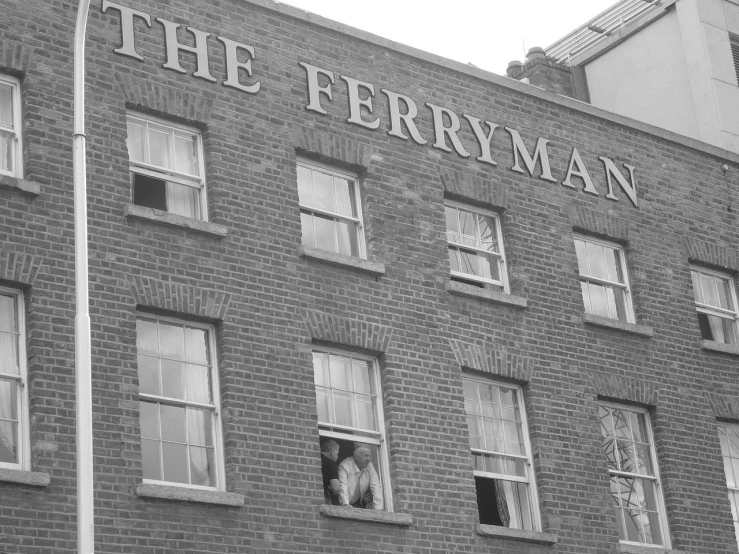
376	269
20	477
182	494
720	347
517	534
134	211
634	328
462	289
645	549
30	188
372	516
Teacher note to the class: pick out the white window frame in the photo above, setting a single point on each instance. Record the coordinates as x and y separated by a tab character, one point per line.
527	457
216	407
16	128
707	309
659	494
503	283
625	286
358	221
733	491
157	172
360	435
23	447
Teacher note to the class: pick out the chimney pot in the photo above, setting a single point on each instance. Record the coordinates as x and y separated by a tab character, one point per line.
535	53
514	68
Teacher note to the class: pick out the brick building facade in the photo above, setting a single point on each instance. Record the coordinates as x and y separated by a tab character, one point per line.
302	232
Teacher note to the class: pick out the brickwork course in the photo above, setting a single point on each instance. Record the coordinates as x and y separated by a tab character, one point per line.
270	301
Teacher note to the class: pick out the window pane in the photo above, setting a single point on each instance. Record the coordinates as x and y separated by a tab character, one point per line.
613	265
325	234
149	375
306	224
452	224
710	292
199	427
186	155
175	462
724	293
173	423
149	420
172	341
347	236
135	143
697	291
174	379
320	369
469	263
344	409
362	381
9	353
151	459
305	187
474	428
323	189
488	237
345	196
468	228
454	259
7	148
366	412
9	442
341	373
198	384
202	466
596	260
586	296
8	400
598	300
8	314
183	200
322	402
159	148
149	191
146	337
196	346
6	104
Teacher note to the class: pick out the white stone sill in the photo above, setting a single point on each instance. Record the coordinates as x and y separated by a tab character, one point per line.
20	477
182	494
371	516
30	188
645	549
143	213
517	534
720	347
462	289
376	269
633	328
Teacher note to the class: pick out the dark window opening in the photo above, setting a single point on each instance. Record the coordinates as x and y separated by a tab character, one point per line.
491	505
705	327
149	192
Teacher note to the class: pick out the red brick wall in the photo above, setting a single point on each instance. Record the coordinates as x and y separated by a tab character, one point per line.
269	304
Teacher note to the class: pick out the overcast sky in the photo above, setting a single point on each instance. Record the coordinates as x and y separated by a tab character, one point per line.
486	33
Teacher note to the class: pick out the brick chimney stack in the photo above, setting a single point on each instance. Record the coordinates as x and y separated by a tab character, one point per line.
543	72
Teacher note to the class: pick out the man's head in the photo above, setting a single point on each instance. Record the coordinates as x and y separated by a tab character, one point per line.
330	449
362	456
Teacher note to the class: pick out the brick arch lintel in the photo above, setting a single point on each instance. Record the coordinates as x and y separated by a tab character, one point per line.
492	360
346	332
713	254
156	99
724	407
599	223
473	189
20	268
332	149
624	389
15	57
180	299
